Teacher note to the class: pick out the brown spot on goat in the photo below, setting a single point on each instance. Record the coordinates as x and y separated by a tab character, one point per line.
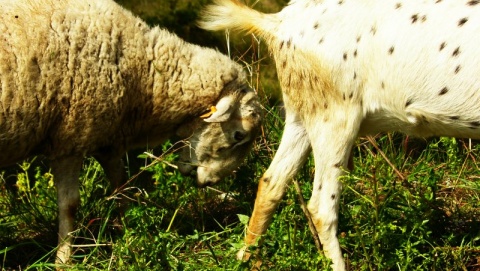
345	56
409	102
474	124
390	51
473	2
457	69
333	196
398	5
442	46
456	52
454	117
414	18
462	22
443	91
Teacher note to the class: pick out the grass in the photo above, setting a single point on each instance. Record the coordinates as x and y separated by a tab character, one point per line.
407	205
408	211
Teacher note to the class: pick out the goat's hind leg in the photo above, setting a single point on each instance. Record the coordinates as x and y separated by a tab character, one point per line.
66	172
332	143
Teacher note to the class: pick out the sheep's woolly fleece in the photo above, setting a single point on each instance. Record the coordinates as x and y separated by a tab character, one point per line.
96	76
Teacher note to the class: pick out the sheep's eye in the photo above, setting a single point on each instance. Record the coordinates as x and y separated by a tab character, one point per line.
239	136
244	90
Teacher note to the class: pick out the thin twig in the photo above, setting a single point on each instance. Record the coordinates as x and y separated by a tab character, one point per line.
374	144
92	245
313	230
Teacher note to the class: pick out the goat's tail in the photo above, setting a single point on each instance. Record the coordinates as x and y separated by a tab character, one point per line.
231	14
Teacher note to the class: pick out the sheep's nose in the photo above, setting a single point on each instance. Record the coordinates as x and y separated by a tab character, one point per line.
205	184
187	169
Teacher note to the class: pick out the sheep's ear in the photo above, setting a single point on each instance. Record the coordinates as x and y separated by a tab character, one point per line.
222	111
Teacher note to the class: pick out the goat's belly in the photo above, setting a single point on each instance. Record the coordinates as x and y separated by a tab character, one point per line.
422	124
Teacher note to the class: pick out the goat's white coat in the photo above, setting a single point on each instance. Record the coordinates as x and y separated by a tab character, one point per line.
359	67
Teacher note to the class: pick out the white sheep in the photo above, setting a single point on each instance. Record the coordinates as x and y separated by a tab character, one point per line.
87	78
358	67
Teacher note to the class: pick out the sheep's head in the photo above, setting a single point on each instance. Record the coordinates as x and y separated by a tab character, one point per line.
222	139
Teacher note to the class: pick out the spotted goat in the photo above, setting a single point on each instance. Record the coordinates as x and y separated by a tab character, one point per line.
358	67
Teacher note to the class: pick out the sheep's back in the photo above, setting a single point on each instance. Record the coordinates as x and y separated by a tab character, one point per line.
63	81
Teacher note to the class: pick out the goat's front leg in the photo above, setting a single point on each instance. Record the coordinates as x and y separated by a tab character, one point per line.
66	173
289	158
332	143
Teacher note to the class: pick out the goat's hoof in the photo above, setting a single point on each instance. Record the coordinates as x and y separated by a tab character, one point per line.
243	254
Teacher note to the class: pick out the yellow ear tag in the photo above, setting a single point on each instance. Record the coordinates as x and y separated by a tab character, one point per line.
213	109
